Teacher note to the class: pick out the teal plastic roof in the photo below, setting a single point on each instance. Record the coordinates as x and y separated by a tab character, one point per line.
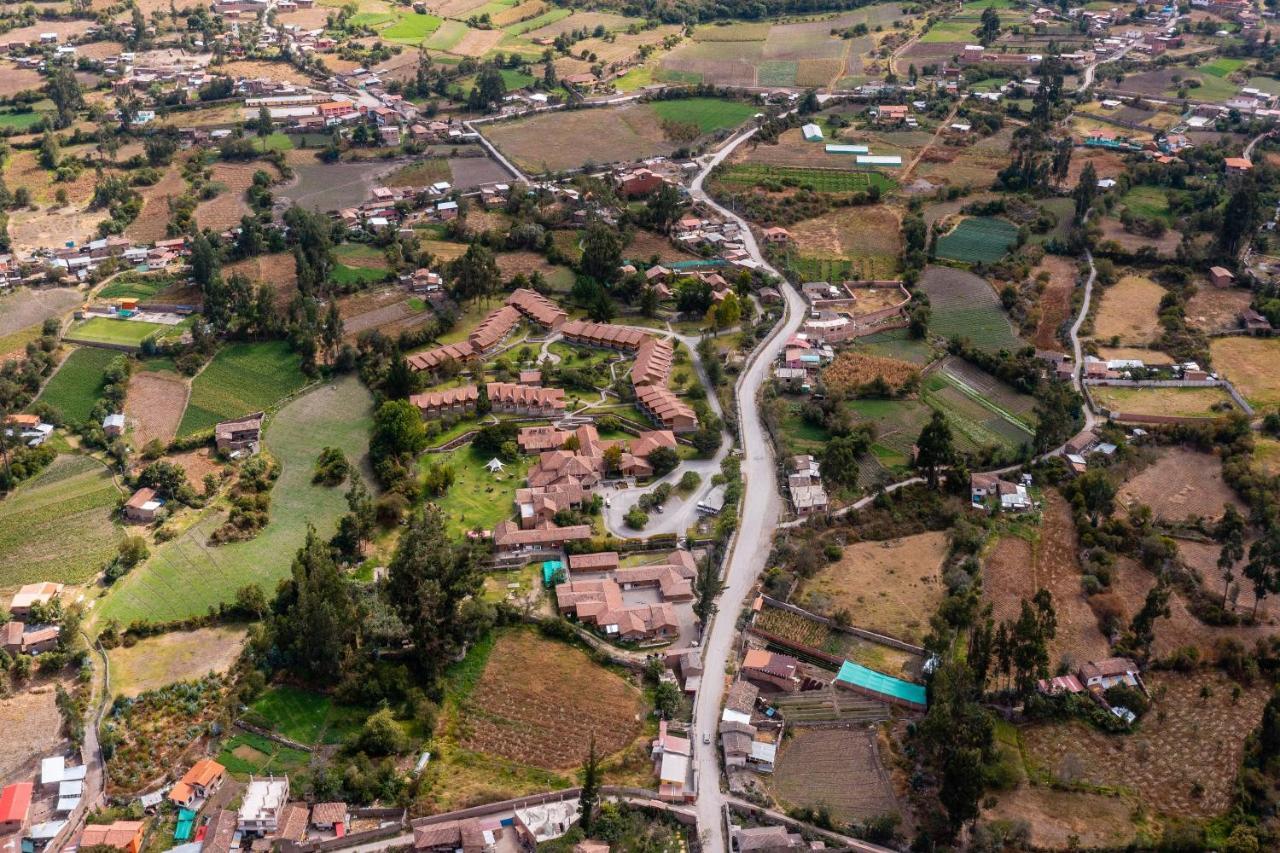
869	679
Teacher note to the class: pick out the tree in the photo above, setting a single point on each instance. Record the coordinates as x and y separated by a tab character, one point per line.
663	207
989	26
1098	493
1263	567
707	585
1086	190
474	274
166	478
264	124
666	700
1239	219
728	312
489	90
434	585
841	458
601	253
589	798
381	735
483	406
663	460
64	90
933	448
1142	627
318	616
397	431
1230	532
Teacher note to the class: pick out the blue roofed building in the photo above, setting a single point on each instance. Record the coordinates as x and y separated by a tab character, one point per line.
881	687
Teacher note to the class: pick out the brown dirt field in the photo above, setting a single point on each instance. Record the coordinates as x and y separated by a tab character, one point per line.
32	307
151	222
1107	164
602	136
14	80
1250	364
478	42
520	12
646	244
279	270
1055	300
479	219
197	463
444	250
32	727
23	170
1199	741
99	49
225	210
1131	585
66	30
32	230
853	369
454	8
1181	483
157	661
154	405
864	232
1128	310
890	587
386	309
1213	310
310	19
539	701
281	71
1061	819
837	768
1165	245
512	263
1006	581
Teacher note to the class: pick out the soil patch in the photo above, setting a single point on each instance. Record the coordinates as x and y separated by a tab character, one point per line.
226	210
1055	300
32	727
1128	311
852	369
1060	819
181	656
836	768
154	406
1181	483
152	221
32	307
197	463
1165	245
1212	310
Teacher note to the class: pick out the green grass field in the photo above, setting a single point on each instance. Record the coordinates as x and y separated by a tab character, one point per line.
245	754
106	330
1270	85
130	285
412	28
57	526
543	20
305	716
1222	66
952	30
964	305
447	36
1149	202
978	238
476	498
20	121
354	276
898	344
818	180
75	388
186	575
242	378
709	114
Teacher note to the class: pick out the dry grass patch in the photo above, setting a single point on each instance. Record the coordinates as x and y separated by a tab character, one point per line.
1251	365
645	244
1149	357
1266	455
32	727
1198	743
1181	483
14	80
1174	402
152	221
279	270
852	369
1059	820
1128	311
280	71
1214	310
891	587
226	209
862	234
197	463
154	405
1054	303
478	42
538	702
164	659
1165	245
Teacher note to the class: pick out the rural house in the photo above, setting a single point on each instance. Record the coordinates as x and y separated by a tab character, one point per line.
1221	277
142	506
767	839
122	835
763	667
19	638
241	435
198	783
330	817
262	805
1109	672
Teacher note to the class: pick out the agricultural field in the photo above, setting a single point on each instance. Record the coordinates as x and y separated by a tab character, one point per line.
155	729
477	499
1179	484
106	330
1213	310
709	114
27	308
890	587
132	285
808	632
965	305
154	405
74	389
186	575
1149	202
411	28
58	525
420	173
1016	567
982	409
864	240
840	769
245	754
1250	365
226	209
1053	304
898	345
1193	743
1128	311
1176	402
1113	231
305	716
1266	455
241	378
33	728
153	662
978	239
853	369
824	180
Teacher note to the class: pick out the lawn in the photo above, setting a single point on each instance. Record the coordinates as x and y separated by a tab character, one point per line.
245	754
75	388
636	78
819	180
1222	66
20	121
545	19
412	28
356	276
709	114
978	239
1149	202
106	330
186	575
58	525
130	285
305	716
476	498
242	378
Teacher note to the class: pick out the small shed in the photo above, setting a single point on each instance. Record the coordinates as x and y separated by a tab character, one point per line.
812	133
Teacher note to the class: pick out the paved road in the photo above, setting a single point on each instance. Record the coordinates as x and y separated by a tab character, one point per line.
1076	350
760	512
1086	80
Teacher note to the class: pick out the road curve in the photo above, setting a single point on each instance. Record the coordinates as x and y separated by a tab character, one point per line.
761	510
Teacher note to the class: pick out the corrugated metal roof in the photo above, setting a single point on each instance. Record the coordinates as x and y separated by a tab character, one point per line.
878	682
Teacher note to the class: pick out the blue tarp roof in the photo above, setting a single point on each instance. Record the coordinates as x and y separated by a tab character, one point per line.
878	682
549	569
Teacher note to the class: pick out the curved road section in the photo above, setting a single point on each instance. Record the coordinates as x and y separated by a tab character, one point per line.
761	509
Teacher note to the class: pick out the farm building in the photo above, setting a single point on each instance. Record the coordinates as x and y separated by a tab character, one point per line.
122	835
113	425
763	667
1221	277
839	148
1108	673
765	839
878	160
241	435
884	688
812	133
330	817
198	783
18	638
30	595
142	506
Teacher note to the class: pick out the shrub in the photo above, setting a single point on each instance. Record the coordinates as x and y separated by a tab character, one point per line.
332	467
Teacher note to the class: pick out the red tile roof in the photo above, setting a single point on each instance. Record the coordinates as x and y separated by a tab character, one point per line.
15	802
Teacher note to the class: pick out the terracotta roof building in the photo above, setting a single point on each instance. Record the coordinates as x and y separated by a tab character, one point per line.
198	783
667	409
449	353
510	539
122	835
494	328
510	398
536	439
599	603
604	335
653	363
451	401
30	595
537	308
241	434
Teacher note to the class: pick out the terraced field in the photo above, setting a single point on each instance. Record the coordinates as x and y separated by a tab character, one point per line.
978	239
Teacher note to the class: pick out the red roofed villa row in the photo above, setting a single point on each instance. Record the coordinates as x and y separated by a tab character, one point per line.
494	328
604	335
508	538
653	363
537	308
433	358
666	408
503	396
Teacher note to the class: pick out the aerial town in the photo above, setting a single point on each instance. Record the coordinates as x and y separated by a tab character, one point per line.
573	426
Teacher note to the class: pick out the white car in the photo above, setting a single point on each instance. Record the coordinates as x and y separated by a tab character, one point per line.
706	737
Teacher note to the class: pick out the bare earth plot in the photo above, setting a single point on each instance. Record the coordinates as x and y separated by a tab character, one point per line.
1060	819
156	661
1250	364
32	307
836	768
1181	483
154	405
32	727
1203	557
1165	245
1199	741
1054	303
1015	569
891	587
229	206
151	222
1177	402
1213	310
628	133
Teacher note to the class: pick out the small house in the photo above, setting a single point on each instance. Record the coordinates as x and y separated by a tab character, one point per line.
330	817
891	114
32	595
123	835
113	425
1221	277
198	783
15	803
762	667
242	435
262	805
1238	165
142	507
1108	673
